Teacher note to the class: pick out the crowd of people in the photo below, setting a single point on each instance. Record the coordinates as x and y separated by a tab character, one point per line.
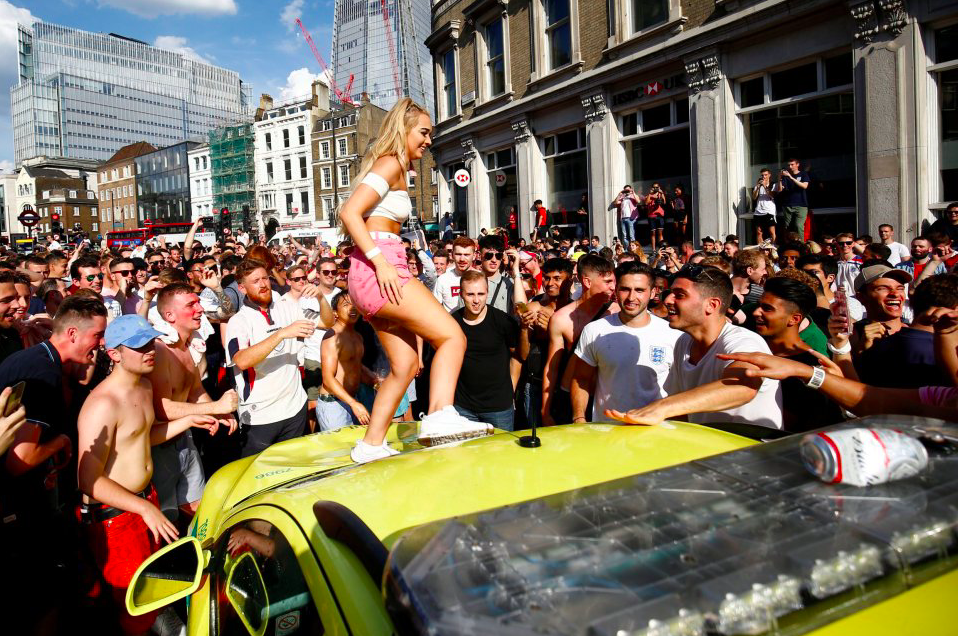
130	374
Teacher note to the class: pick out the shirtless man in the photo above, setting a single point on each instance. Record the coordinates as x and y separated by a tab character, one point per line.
178	392
342	355
116	427
598	283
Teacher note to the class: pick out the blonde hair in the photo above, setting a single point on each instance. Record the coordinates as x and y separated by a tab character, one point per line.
391	141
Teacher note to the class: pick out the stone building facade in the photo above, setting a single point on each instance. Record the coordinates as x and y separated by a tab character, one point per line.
116	179
568	100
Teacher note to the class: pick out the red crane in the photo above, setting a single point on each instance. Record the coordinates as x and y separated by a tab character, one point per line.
343	95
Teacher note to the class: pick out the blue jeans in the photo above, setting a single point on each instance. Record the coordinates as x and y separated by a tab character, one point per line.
500	419
626	231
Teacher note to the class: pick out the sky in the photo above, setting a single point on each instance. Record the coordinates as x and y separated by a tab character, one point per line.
258	39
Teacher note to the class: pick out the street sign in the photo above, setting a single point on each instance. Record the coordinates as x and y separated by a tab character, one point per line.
29	218
462	177
500	178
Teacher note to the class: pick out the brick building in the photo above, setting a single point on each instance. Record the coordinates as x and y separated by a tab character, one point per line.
340	139
558	99
116	179
68	197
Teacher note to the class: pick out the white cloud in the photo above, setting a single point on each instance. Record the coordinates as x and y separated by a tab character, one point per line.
178	45
289	14
299	84
6	165
155	8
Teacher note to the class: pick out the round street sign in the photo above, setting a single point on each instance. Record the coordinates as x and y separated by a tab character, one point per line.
462	177
28	218
500	178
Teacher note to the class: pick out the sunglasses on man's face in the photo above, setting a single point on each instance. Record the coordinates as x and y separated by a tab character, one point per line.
845	242
328	272
296	279
488	256
92	277
124	272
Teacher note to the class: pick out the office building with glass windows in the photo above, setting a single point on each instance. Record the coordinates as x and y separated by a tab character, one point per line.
163	184
86	95
377	51
568	101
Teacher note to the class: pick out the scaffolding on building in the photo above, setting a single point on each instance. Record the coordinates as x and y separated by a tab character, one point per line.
232	167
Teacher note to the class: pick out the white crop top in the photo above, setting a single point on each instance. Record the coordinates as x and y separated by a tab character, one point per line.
393	204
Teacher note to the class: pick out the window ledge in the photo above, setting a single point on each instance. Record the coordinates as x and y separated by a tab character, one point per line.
674	26
570	69
448	121
498	100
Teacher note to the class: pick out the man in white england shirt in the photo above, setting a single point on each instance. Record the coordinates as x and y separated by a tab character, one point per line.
625	356
702	387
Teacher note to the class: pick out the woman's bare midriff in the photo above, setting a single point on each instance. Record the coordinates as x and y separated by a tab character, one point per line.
382	224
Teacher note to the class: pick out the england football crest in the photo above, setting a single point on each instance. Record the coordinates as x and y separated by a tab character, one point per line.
657	355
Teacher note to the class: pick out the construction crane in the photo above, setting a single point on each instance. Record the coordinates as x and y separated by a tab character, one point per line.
343	95
392	47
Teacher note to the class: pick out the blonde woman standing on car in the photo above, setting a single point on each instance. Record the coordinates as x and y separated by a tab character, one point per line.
396	304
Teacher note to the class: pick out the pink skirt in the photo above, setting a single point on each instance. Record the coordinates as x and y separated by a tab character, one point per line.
363	285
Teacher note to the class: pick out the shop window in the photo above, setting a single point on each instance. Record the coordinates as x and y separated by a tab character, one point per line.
567	170
657	117
752	92
838	70
458	197
558	31
946	52
799	80
503	185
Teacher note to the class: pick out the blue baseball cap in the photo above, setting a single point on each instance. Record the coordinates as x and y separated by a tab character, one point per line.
130	330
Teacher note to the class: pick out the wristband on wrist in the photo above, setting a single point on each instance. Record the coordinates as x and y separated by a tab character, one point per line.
817	379
840	351
373	253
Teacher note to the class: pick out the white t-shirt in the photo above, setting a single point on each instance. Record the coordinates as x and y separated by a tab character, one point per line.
764	203
898	252
765	409
632	362
447	289
271	391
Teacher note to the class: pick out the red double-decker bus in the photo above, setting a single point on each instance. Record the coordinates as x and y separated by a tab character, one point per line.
172	233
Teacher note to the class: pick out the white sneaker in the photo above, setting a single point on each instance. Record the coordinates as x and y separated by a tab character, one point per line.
364	452
168	623
447	425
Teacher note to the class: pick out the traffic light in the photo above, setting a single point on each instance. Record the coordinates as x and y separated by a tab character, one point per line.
224	221
247	220
55	226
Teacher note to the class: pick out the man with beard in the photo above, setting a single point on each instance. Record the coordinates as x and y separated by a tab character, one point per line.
623	359
178	392
534	333
262	346
342	351
778	319
924	262
700	385
565	327
117	427
10	306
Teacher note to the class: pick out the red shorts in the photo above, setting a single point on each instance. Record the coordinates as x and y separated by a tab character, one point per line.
119	546
363	284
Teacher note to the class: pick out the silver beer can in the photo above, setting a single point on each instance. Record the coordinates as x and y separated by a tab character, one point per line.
863	456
